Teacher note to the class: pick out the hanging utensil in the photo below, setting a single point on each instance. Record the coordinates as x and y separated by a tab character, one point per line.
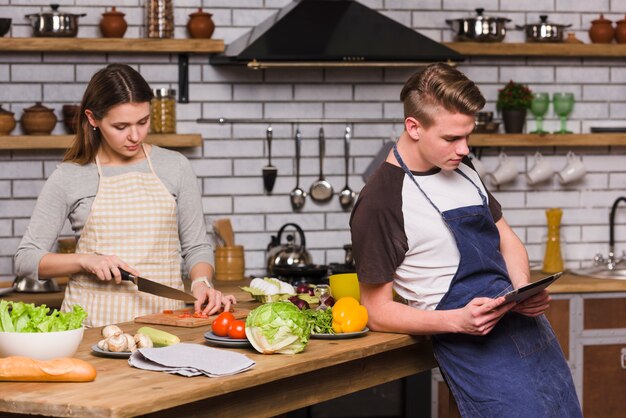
269	171
297	195
346	196
321	190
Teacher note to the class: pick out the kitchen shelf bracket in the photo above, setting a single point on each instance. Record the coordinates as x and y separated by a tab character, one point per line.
183	78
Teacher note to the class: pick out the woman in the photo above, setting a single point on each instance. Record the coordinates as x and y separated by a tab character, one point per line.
133	206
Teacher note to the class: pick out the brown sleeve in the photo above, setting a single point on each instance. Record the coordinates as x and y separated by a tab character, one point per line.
379	242
494	205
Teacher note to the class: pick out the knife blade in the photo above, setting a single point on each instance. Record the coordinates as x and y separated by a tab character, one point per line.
154	288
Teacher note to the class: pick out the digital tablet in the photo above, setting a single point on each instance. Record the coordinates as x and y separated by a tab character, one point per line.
524	292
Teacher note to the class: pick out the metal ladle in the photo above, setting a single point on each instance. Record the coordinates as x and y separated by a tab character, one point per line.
346	196
297	195
321	190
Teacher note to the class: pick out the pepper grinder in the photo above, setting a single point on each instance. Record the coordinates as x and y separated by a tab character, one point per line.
553	260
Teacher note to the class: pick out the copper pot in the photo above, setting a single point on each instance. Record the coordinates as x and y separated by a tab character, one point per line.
7	122
38	120
200	24
113	24
601	31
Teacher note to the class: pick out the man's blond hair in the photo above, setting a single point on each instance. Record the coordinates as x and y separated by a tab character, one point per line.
439	86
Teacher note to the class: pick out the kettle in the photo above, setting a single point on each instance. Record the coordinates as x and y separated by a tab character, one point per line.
289	254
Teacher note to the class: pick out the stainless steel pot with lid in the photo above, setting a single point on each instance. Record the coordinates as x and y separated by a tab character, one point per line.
479	28
544	31
291	255
55	23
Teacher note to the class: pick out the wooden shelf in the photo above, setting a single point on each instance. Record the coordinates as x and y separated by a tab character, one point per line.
178	46
548	140
63	141
504	49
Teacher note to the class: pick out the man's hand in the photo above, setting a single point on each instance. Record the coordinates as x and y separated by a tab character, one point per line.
480	315
534	305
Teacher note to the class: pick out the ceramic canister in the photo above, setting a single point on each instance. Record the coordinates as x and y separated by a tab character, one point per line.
601	31
113	24
38	120
7	122
200	24
620	31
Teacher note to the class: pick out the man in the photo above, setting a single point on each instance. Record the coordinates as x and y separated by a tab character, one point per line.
426	227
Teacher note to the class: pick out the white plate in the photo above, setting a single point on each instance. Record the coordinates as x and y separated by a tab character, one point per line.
5	290
226	341
342	336
116	354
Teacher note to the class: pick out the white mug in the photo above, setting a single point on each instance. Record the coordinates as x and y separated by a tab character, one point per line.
505	172
541	171
478	165
574	169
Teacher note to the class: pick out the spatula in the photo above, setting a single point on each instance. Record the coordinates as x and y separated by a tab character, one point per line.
224	229
269	171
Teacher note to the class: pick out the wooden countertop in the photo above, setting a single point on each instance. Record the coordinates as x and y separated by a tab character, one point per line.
275	385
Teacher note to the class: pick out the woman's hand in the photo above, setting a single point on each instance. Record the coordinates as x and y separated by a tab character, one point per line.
105	267
213	298
534	305
480	315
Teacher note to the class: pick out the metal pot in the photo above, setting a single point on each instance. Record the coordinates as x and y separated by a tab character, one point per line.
479	28
55	24
544	31
289	255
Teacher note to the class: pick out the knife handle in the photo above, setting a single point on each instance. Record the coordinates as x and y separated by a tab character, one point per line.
126	275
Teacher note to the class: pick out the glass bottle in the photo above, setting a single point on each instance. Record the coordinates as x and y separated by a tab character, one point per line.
159	18
553	259
163	111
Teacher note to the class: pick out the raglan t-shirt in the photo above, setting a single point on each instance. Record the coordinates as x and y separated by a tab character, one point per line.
397	235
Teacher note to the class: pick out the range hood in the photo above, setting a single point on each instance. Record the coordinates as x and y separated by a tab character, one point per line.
327	33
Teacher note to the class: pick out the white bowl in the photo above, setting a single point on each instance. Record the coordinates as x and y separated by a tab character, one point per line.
41	345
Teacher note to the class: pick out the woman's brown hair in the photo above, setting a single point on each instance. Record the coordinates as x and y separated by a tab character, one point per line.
111	86
439	85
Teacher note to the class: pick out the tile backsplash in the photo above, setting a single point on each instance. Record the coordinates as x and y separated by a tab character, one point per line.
230	161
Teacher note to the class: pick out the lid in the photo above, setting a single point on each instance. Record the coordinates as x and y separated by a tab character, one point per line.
479	16
601	19
113	12
200	13
622	21
38	107
164	92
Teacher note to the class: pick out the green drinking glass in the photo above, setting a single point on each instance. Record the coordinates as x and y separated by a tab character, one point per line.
539	107
563	106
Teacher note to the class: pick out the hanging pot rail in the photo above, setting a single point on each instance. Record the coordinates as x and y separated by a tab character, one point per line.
222	121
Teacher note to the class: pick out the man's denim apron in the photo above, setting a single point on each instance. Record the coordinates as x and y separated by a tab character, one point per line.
518	369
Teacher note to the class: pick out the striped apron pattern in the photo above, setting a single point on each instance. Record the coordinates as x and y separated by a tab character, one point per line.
133	216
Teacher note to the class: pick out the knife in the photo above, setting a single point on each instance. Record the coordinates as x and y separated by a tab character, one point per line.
149	286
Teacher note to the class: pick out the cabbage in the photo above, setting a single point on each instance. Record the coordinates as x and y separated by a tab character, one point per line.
278	327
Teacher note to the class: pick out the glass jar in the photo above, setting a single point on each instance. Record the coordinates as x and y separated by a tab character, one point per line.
163	111
159	19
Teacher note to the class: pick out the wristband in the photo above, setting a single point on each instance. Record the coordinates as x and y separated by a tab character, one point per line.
201	279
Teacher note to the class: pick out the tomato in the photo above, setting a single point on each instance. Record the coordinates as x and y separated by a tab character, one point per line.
200	315
221	324
237	329
168	311
185	315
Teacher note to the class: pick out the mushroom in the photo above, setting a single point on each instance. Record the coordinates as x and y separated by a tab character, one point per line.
102	345
110	330
143	341
117	343
130	342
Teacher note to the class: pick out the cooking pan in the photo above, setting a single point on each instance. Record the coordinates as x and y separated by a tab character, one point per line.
313	271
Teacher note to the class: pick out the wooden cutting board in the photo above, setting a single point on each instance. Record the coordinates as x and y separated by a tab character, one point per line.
173	319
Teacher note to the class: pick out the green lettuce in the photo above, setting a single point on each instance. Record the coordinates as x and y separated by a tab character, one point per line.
26	317
278	327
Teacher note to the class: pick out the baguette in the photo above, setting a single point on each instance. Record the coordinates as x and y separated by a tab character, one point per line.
25	369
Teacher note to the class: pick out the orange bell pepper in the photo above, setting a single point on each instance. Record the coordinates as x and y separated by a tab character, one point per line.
349	315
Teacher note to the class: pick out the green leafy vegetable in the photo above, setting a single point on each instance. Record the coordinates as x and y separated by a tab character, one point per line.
278	327
26	317
320	320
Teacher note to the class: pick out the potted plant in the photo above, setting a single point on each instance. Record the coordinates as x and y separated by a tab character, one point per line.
513	101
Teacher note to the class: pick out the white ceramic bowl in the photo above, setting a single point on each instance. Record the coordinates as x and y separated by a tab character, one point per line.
41	345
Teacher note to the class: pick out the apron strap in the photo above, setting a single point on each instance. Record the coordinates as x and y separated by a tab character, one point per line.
98	166
143	147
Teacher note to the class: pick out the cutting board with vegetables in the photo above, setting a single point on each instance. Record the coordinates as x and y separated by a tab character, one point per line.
185	318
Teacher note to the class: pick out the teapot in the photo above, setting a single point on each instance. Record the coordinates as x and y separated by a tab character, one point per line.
289	254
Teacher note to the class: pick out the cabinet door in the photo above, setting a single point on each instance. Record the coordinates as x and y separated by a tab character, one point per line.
604	381
558	315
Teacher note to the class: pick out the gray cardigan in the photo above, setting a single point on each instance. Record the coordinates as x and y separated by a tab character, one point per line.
71	189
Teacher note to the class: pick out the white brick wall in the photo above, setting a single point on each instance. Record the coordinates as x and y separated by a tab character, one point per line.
230	161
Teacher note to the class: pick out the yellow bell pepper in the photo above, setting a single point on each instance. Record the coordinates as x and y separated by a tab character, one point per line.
349	315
